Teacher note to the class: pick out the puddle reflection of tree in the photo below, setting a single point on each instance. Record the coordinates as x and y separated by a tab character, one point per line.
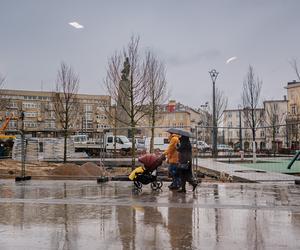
180	223
67	238
154	219
254	232
21	209
127	226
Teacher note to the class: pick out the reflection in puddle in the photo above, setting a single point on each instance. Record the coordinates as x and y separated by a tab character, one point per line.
163	220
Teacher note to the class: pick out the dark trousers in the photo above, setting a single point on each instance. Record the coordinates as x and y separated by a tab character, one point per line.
186	175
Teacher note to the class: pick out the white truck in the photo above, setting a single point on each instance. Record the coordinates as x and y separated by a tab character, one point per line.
160	143
108	143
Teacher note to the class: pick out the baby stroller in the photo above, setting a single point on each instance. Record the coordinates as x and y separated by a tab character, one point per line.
146	174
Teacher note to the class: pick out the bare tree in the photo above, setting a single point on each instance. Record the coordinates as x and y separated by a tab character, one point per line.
3	101
272	120
156	78
221	104
127	87
294	64
65	100
251	96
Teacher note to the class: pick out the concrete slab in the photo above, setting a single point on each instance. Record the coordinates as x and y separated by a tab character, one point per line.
86	215
242	172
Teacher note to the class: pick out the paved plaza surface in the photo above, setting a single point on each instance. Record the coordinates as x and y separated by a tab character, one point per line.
87	215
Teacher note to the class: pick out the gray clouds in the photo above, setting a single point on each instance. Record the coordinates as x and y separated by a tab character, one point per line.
179	60
192	37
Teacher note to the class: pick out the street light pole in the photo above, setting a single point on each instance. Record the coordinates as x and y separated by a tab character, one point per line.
240	129
214	74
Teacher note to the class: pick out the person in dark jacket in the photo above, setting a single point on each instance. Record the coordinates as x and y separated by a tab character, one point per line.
184	149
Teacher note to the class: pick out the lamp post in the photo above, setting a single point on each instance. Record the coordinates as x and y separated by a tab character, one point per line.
240	128
214	74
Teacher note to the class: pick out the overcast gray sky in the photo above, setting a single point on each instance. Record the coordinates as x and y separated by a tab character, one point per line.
191	37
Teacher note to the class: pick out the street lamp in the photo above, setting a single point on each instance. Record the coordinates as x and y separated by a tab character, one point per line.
240	127
214	74
205	122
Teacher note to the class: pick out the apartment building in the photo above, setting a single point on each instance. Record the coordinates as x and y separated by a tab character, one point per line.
275	121
175	114
39	114
233	119
293	114
270	130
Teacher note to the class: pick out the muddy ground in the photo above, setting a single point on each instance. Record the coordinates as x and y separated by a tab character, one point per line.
49	170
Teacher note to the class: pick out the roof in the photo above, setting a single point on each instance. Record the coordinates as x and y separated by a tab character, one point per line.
45	93
292	84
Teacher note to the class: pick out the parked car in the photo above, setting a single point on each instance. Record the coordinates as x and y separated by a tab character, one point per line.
202	146
224	148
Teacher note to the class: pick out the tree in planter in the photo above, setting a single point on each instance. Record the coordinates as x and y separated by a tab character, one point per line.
65	101
128	87
251	96
156	78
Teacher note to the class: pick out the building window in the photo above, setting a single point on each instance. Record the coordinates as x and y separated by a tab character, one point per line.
293	110
88	116
88	108
30	105
30	114
13	105
12	124
262	133
28	124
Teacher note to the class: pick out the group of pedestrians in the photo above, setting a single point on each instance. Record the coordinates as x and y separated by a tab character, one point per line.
179	156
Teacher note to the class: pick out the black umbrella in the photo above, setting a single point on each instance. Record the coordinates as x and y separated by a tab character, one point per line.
179	132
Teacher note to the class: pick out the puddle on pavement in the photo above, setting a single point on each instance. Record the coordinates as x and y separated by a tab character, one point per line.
147	220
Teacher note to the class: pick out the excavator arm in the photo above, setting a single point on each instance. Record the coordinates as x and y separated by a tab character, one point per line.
5	124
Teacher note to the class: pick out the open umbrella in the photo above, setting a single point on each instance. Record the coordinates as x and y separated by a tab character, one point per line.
179	132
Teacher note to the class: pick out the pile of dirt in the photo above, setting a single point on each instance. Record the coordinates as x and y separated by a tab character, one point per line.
69	170
93	169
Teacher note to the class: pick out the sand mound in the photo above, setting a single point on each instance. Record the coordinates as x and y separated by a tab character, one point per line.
93	169
69	170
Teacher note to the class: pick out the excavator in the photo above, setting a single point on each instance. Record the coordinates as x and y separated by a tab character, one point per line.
3	136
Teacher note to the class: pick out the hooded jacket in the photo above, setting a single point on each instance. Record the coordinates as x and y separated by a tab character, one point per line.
171	152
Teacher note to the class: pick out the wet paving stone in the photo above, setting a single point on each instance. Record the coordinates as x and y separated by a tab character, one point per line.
87	215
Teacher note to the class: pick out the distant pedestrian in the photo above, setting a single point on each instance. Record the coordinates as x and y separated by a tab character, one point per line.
172	158
185	163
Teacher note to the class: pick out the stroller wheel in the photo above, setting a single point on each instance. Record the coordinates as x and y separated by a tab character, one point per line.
160	184
138	185
155	185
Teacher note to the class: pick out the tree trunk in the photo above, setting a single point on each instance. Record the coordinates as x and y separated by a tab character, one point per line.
152	133
273	143
133	147
65	145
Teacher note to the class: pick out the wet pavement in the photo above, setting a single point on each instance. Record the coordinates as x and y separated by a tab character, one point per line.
87	215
